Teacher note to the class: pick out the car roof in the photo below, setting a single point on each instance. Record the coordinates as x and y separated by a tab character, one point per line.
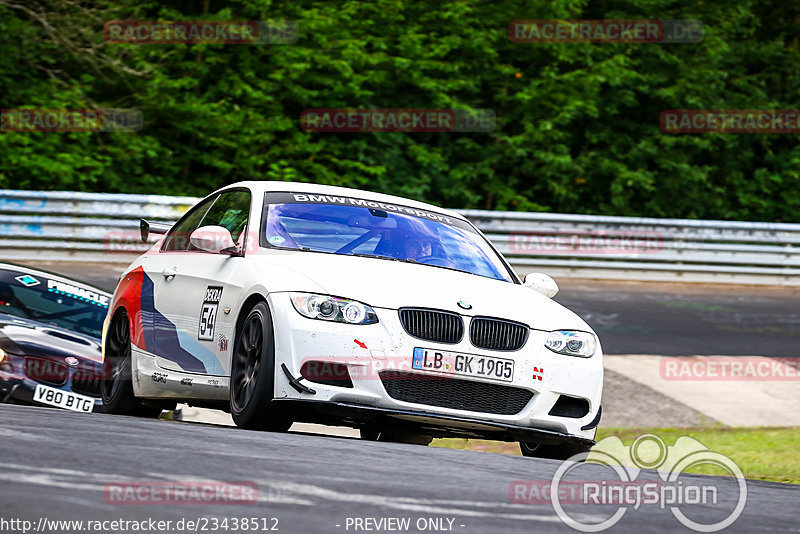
260	187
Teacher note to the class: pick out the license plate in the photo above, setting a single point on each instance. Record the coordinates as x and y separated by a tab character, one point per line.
63	399
455	363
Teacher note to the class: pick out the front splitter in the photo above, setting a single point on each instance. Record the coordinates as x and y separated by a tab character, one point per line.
437	425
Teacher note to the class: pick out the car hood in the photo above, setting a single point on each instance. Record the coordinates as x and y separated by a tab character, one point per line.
392	284
26	337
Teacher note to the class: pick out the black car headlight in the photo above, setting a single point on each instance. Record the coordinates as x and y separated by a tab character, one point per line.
5	362
334	309
571	343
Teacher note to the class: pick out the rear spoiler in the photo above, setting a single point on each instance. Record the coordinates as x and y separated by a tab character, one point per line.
148	228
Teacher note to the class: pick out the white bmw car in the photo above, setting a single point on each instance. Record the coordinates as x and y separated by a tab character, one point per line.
284	302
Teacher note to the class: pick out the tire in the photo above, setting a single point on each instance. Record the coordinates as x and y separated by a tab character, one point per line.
559	451
117	388
371	434
253	374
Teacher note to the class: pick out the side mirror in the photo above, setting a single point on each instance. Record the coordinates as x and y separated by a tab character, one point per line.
146	228
541	283
214	239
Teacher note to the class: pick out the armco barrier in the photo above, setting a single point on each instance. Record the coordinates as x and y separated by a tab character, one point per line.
59	226
62	225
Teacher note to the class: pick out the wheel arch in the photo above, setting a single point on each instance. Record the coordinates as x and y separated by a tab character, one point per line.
119	309
122	307
244	309
111	317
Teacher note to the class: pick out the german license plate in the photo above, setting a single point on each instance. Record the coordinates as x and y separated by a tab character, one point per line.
63	399
456	363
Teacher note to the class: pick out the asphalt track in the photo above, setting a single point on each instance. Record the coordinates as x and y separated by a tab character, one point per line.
669	319
688	319
55	465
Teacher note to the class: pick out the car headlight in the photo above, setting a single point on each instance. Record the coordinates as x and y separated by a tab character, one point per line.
571	343
327	308
5	362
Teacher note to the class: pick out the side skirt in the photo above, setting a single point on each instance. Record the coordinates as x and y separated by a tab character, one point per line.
153	382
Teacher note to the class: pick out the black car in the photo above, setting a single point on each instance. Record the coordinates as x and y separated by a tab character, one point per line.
50	330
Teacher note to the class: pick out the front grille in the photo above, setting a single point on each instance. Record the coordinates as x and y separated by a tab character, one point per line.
46	371
86	383
497	334
446	392
432	325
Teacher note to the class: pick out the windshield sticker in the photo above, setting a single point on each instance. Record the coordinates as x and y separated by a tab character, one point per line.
78	293
306	198
348	201
277	239
27	280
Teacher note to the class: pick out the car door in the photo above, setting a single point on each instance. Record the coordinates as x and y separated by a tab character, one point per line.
193	291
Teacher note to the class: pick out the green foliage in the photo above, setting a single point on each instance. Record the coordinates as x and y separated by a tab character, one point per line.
577	124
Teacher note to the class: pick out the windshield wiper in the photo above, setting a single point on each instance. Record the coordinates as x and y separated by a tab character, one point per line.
375	256
406	260
409	260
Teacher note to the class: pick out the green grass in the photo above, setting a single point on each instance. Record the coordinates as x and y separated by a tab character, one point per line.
761	453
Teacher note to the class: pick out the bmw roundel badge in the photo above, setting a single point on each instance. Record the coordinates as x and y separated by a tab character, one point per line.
464	305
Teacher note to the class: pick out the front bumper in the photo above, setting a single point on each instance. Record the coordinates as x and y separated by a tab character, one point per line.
16	387
365	349
434	424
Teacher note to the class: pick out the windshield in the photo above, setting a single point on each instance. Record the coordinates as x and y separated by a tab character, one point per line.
53	301
347	226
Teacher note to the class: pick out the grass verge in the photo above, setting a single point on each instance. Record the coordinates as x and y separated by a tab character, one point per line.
762	453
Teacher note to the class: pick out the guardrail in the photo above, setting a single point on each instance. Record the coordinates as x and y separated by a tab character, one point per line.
635	248
66	226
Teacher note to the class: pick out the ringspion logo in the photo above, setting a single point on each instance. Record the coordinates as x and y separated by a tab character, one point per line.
702	504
